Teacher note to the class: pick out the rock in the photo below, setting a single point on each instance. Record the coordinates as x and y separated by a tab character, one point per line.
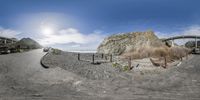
125	42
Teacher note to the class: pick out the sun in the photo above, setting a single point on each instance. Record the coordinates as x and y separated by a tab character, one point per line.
47	31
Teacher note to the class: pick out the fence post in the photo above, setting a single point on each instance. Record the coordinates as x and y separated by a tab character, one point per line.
186	56
129	63
78	56
93	58
111	58
165	58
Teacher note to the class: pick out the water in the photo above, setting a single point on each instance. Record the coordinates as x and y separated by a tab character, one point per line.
85	51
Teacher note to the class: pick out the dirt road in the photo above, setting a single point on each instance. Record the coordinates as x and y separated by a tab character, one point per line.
22	77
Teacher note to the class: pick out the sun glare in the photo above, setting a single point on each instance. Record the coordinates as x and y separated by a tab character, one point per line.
47	30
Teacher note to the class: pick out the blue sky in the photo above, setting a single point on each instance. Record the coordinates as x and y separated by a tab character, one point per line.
82	25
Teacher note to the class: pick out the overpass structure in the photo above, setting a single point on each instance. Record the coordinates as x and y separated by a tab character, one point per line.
5	45
5	40
182	37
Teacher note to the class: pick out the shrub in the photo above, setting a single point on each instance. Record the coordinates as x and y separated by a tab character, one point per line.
163	53
160	52
126	68
115	64
56	51
146	51
178	52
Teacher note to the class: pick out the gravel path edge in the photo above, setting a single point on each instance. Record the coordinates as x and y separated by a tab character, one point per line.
41	61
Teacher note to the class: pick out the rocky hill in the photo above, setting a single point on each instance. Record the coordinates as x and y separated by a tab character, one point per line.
27	43
125	42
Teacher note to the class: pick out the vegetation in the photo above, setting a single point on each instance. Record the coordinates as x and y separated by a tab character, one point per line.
115	64
56	51
126	68
164	54
176	52
121	67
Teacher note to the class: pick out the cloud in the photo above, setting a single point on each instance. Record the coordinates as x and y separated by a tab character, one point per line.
71	36
9	33
192	30
68	39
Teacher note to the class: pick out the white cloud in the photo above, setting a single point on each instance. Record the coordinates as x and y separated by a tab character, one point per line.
71	35
8	33
69	38
192	30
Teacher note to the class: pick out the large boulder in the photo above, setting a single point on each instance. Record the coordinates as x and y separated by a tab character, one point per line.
125	42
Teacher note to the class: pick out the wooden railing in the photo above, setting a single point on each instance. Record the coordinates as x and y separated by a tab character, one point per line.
93	56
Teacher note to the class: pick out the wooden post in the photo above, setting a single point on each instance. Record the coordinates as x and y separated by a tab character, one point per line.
93	58
165	58
78	56
196	45
129	63
5	41
187	56
111	58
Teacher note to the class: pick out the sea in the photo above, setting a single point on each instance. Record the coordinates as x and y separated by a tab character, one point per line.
84	51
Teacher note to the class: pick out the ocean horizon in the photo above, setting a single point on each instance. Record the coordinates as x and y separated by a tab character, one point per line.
83	51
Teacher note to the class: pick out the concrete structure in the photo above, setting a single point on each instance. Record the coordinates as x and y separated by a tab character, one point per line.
182	37
5	40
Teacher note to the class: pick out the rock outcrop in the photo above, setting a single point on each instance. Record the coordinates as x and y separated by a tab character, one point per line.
125	42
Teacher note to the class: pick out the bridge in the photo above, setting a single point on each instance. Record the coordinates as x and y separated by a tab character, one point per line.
182	37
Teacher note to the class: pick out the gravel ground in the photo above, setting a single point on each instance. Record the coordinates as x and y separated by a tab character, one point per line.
23	78
143	82
102	69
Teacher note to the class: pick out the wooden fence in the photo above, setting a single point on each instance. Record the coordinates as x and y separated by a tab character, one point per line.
93	57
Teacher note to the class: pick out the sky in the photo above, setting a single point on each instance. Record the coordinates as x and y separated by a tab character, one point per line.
83	24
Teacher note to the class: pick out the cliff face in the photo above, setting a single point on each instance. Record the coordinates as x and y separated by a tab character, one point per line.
125	42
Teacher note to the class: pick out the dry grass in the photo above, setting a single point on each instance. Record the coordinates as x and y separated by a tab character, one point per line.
161	53
146	51
164	51
178	52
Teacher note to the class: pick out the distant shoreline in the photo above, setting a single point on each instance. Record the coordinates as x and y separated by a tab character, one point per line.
83	51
